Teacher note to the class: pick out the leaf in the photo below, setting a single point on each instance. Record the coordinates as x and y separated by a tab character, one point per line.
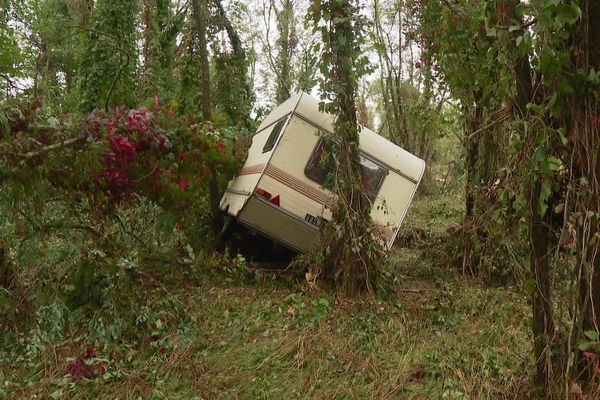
568	14
563	135
535	108
550	164
583	345
545	192
292	311
592	335
548	64
575	389
57	394
530	286
594	239
519	40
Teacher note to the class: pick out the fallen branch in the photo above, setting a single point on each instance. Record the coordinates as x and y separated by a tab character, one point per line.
65	143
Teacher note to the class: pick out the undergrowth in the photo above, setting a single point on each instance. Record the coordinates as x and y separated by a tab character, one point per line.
160	319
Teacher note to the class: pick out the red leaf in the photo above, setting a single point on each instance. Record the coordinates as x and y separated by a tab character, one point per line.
79	369
122	146
184	183
161	141
137	120
89	353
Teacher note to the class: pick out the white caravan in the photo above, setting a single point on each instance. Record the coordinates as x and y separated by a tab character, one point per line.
279	191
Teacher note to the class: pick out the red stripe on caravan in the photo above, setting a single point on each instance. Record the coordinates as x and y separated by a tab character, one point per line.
289	180
252	169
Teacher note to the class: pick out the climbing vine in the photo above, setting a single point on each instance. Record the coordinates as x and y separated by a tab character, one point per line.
349	247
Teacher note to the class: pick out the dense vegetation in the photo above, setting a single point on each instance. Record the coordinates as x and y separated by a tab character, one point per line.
121	122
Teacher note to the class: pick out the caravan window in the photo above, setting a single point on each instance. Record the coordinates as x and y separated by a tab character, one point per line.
274	135
321	169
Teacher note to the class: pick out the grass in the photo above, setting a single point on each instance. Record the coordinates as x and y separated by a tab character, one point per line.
436	335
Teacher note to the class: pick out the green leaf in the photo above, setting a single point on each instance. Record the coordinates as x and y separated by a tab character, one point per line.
583	345
530	286
550	164
594	239
545	192
592	335
535	108
519	40
563	135
540	154
568	13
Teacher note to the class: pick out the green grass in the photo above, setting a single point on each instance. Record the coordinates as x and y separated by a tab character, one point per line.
437	335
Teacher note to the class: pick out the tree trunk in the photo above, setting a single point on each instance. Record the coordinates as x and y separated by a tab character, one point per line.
286	46
540	236
348	244
541	297
586	135
472	184
199	13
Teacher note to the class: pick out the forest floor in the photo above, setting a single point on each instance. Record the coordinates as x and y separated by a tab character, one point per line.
437	335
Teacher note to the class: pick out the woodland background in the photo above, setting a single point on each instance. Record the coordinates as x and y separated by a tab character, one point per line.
121	122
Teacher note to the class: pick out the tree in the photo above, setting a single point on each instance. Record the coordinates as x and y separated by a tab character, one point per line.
232	87
285	45
109	63
161	26
348	244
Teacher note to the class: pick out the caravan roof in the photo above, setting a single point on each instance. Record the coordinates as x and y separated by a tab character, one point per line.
372	144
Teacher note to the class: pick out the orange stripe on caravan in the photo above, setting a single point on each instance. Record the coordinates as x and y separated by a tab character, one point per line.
252	169
289	180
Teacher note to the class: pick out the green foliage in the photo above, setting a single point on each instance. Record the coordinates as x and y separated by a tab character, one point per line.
307	312
349	262
109	62
234	94
10	52
160	34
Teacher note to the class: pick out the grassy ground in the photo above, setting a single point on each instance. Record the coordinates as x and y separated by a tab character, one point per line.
436	335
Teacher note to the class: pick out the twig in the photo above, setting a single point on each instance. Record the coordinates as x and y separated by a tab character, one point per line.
488	126
410	290
524	26
132	234
73	226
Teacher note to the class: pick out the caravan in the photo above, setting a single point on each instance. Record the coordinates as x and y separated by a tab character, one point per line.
280	191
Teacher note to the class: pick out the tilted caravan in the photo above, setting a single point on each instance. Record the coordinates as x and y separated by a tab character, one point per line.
279	191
